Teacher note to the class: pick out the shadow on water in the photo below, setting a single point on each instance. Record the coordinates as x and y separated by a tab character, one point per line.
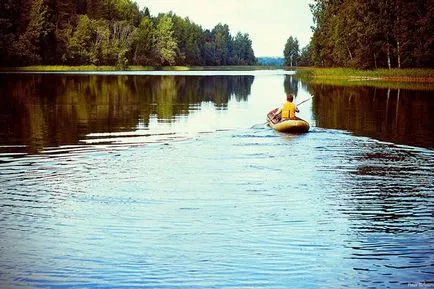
51	110
400	116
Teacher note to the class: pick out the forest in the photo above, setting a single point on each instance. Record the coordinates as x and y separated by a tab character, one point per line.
371	34
111	32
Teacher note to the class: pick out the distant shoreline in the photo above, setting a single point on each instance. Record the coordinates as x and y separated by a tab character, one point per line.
67	68
309	74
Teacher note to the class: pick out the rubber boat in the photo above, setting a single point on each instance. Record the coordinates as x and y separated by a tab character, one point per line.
296	125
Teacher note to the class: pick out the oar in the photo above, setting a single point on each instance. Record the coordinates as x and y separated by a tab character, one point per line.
305	100
259	125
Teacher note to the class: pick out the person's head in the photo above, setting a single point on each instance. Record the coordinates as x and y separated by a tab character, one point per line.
290	98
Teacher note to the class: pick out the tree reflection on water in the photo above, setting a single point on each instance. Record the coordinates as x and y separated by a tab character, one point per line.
401	116
42	110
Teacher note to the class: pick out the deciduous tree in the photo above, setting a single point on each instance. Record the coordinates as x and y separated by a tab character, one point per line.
165	44
291	52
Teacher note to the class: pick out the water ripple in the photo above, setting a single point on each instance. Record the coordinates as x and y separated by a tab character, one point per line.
252	208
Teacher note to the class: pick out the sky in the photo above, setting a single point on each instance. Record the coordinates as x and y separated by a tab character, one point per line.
269	23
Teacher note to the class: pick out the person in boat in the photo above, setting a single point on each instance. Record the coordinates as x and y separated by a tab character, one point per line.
288	109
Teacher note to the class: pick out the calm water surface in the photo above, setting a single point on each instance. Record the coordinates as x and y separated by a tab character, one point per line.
174	181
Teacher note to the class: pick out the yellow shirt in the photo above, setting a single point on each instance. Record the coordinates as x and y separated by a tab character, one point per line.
288	110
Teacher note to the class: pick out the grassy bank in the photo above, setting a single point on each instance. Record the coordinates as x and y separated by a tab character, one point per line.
383	78
60	68
49	68
423	75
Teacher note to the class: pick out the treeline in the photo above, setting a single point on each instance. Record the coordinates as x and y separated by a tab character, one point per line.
371	34
111	32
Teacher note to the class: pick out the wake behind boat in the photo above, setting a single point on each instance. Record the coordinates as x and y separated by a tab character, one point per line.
296	125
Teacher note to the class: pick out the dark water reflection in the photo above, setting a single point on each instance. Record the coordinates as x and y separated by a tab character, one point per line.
87	201
52	110
394	115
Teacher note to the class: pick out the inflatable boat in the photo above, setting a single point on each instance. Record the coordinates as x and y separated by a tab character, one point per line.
296	125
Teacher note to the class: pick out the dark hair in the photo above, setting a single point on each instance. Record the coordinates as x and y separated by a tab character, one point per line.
290	97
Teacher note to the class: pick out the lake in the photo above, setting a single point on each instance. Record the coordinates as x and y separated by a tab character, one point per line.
173	180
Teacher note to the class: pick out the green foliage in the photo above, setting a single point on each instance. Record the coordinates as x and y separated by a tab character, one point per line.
372	34
306	56
189	39
143	43
291	52
242	50
26	48
78	47
165	44
223	44
111	32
